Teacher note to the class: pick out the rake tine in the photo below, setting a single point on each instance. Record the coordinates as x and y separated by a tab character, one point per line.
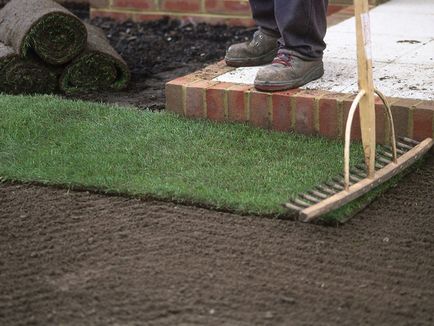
361	167
378	165
399	151
334	186
359	172
387	154
318	194
293	207
310	198
383	160
355	178
300	203
385	149
339	181
326	189
403	146
409	141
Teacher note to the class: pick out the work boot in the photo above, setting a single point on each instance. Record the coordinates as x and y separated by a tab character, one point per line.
288	70
259	51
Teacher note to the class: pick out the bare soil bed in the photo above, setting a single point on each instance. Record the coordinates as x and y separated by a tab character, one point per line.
77	258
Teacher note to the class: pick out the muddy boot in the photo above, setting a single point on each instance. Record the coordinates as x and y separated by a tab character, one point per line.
288	71
259	51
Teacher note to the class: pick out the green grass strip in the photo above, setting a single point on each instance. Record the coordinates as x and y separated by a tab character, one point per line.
122	150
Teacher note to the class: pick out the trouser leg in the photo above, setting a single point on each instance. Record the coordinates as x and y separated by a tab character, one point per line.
302	24
263	14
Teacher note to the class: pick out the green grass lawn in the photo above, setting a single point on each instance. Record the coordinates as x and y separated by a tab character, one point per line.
122	150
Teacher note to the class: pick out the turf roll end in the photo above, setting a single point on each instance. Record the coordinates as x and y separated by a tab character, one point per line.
42	27
24	76
98	67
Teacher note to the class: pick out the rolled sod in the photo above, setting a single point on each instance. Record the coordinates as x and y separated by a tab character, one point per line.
98	67
43	27
28	76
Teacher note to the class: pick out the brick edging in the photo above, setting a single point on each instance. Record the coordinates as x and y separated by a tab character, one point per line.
310	112
230	12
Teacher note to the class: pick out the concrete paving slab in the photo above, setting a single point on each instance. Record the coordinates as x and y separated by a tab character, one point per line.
423	55
403	52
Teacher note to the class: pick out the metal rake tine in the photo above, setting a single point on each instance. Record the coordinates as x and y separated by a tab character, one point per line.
383	160
334	186
387	154
293	207
361	174
318	194
409	141
358	172
300	203
326	189
339	181
404	146
355	179
310	198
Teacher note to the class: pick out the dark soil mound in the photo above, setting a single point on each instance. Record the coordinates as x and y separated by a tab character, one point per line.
159	51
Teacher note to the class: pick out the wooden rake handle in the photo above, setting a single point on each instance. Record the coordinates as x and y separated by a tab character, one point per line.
366	96
366	83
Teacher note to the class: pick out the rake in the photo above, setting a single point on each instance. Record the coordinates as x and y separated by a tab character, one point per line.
381	163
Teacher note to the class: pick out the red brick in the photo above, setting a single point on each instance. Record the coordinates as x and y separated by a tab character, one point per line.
174	98
175	95
237	95
259	109
216	101
99	3
401	116
305	111
282	110
113	15
237	7
135	4
180	5
218	19
423	116
380	122
332	9
137	17
330	115
195	98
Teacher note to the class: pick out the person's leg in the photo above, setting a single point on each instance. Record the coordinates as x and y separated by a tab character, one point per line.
263	47
302	24
263	14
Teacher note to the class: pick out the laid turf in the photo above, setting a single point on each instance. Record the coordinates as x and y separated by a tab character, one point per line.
140	153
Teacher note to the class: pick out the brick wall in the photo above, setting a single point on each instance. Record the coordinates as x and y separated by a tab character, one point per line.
232	12
3	2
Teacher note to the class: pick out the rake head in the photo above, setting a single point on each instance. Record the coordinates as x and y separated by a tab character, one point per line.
334	194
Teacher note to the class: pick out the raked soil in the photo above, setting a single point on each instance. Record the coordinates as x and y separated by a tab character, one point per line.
77	258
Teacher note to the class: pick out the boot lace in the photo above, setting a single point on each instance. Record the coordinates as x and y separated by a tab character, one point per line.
283	59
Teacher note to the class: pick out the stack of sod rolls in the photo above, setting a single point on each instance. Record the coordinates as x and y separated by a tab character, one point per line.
45	48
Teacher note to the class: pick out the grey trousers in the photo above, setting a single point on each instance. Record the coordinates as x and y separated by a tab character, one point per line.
300	24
